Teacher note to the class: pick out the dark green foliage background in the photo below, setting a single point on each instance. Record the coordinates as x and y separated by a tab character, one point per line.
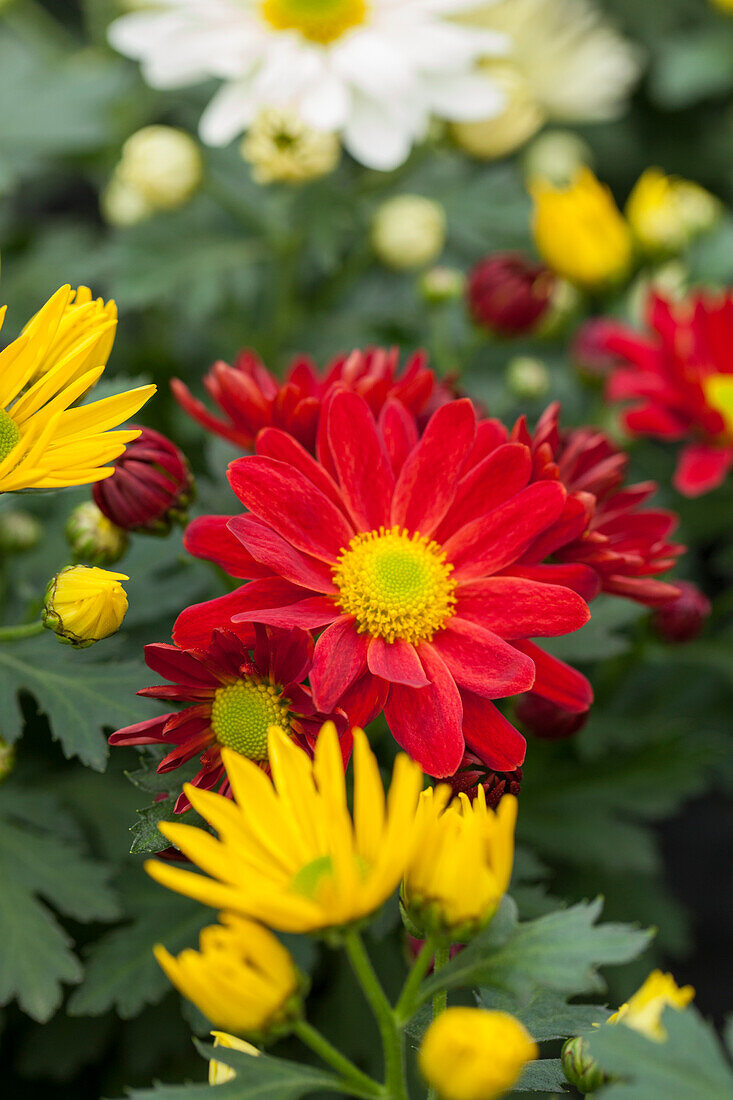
282	272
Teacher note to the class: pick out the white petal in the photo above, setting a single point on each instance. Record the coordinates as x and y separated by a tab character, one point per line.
229	113
469	98
369	61
326	105
375	138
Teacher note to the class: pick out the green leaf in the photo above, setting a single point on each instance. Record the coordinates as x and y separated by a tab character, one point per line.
121	971
603	636
546	1015
36	956
690	1063
559	951
544	1075
258	1078
79	695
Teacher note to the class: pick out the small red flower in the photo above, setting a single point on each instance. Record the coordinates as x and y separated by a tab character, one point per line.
403	550
151	487
252	399
236	687
674	374
473	773
508	294
682	619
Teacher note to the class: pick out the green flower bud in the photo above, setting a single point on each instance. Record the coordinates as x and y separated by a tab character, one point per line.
94	539
7	759
581	1070
527	377
408	232
441	284
19	532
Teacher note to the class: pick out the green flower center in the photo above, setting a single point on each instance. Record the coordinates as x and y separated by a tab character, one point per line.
243	712
9	434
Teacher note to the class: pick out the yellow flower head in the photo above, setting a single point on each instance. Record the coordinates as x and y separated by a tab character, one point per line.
282	148
85	604
473	1054
288	852
644	1011
666	212
718	390
241	978
45	442
580	232
220	1072
461	862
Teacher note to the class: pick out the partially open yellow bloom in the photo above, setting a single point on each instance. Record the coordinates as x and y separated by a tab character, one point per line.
474	1054
644	1011
580	232
288	852
46	440
666	212
220	1072
241	978
85	604
461	862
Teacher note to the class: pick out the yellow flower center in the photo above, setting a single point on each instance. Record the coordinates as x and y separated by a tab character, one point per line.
396	585
718	390
243	712
320	21
9	434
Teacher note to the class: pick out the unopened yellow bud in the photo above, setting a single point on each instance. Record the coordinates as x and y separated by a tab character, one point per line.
408	232
163	165
220	1072
283	149
85	604
474	1054
519	119
93	538
580	232
666	213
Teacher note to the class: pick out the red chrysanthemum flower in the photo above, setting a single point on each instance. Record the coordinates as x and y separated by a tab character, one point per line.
405	556
682	375
605	537
238	685
252	399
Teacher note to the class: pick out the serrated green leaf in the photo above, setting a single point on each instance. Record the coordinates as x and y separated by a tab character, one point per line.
543	1075
559	951
689	1064
79	695
546	1015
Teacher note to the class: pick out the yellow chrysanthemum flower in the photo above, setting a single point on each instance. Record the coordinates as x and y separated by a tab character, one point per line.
666	212
643	1012
580	232
474	1054
289	853
45	442
461	862
85	604
220	1072
241	978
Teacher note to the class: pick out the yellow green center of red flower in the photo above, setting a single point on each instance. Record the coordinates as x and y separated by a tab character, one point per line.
243	712
718	390
9	434
320	21
396	585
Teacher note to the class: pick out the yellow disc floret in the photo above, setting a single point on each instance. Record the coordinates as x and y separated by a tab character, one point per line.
243	712
9	434
320	21
396	585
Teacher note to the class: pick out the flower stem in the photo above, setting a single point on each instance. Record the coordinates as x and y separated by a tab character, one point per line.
319	1044
440	999
392	1039
405	1007
22	630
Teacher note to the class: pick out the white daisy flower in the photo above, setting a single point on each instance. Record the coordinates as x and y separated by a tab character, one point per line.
374	71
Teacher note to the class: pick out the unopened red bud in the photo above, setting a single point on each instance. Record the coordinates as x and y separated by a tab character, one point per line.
151	487
683	618
589	350
508	293
547	720
474	773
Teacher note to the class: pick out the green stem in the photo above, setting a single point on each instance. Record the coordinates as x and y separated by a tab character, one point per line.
392	1039
319	1044
22	630
405	1007
440	999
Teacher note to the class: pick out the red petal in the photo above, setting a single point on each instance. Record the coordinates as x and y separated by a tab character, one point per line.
365	699
483	662
362	466
290	655
149	732
208	537
339	658
399	433
516	608
498	477
397	662
286	500
581	578
701	468
555	680
496	540
273	443
490	735
194	626
427	483
177	665
426	722
308	612
279	556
